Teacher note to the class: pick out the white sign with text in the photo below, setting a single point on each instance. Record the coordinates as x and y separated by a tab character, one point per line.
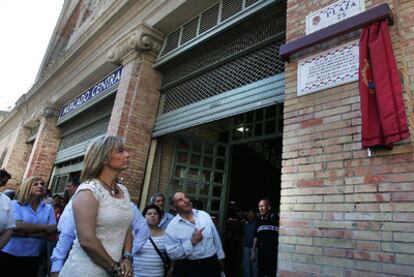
332	14
328	69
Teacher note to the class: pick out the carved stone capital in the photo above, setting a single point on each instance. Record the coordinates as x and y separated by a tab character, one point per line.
50	111
142	39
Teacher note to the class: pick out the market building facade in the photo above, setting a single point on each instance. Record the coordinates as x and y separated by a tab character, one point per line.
207	104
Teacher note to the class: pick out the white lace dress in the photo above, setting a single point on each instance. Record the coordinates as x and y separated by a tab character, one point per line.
112	222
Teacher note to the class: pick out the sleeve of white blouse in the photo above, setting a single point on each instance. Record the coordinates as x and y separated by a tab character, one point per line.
94	187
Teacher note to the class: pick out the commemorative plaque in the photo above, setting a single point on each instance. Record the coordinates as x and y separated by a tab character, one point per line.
334	67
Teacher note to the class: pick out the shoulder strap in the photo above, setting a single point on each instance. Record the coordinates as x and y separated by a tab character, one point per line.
158	251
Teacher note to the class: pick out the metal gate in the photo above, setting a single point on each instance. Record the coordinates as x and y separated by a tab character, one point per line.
201	170
236	72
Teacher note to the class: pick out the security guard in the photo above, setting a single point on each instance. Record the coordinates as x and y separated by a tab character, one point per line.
265	240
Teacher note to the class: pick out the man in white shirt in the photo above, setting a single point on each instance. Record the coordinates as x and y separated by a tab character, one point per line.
192	241
6	212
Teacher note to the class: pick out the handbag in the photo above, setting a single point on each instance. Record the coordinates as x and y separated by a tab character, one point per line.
165	260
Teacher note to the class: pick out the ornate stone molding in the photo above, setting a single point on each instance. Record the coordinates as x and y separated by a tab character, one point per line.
94	10
50	111
44	112
142	39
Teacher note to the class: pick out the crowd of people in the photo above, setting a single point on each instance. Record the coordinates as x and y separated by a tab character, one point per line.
100	232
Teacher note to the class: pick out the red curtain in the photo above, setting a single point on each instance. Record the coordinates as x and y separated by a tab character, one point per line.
383	115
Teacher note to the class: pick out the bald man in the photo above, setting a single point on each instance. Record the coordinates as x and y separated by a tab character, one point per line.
265	240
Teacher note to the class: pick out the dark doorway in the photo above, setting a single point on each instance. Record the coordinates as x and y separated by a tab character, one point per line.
255	174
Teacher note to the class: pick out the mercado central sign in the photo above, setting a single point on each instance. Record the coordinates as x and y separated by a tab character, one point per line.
93	93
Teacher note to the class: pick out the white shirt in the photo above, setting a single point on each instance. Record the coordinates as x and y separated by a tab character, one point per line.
6	213
178	239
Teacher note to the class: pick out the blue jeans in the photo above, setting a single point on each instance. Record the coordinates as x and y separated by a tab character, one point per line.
249	268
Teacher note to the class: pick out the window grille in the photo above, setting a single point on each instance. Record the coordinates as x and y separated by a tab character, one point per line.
33	133
260	30
249	68
88	124
171	42
249	2
230	8
95	129
189	31
236	58
208	19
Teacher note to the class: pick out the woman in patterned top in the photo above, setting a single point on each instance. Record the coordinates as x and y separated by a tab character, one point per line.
147	262
102	212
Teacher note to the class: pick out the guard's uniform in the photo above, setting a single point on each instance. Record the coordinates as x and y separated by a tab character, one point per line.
267	235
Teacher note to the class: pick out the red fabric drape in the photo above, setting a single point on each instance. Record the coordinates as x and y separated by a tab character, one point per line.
383	115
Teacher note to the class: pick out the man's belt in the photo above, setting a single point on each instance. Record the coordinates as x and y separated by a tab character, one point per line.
197	261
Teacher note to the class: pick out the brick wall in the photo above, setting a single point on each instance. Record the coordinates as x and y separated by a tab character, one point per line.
343	213
44	150
133	118
404	22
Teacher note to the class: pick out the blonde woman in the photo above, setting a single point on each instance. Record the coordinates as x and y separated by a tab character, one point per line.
102	214
34	220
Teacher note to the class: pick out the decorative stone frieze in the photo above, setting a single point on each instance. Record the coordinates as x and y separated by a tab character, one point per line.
91	11
142	39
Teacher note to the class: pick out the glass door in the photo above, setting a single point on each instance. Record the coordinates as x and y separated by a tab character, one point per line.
201	170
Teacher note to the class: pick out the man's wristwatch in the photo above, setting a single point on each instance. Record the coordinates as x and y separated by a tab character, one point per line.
128	255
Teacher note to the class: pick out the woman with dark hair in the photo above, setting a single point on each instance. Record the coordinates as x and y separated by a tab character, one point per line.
102	212
34	220
150	260
6	211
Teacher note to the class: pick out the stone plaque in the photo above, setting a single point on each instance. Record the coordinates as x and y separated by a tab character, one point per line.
328	69
332	14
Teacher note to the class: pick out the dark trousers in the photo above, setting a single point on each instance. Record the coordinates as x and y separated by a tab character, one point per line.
267	261
45	254
18	266
208	267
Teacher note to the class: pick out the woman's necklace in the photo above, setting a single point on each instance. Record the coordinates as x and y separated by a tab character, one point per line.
112	190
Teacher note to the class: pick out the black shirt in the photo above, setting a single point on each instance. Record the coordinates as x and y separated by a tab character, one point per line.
266	231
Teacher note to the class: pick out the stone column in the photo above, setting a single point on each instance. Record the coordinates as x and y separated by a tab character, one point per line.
18	153
136	102
45	146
